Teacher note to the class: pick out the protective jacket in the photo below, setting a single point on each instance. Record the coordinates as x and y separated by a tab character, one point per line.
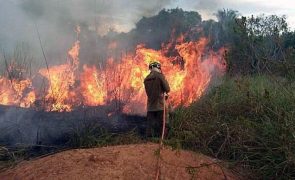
155	86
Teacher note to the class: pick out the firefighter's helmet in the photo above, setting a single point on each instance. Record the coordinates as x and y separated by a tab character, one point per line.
154	64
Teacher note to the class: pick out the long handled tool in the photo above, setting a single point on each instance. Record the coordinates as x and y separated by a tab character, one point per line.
164	122
162	137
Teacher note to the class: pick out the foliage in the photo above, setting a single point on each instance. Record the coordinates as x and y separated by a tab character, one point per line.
247	120
91	134
18	64
6	158
258	44
153	31
11	156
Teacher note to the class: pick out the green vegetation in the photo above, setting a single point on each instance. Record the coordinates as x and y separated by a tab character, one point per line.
94	136
248	121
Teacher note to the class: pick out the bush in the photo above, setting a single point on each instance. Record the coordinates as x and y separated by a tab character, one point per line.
246	120
91	134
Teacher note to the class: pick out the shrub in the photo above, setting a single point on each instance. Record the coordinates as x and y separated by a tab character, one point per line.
247	120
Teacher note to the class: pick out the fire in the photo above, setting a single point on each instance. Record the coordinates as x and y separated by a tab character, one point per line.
61	80
16	92
189	72
93	86
123	81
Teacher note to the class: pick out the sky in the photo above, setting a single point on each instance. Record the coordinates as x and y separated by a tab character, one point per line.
245	7
53	17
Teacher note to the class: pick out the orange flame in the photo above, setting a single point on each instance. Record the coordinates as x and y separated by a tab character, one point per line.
189	73
124	80
93	86
61	80
16	92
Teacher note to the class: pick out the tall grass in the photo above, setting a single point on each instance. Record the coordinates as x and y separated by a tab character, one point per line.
248	120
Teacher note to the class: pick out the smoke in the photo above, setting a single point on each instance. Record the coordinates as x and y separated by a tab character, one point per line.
56	19
102	13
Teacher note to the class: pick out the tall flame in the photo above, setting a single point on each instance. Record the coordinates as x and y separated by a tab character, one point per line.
189	73
61	80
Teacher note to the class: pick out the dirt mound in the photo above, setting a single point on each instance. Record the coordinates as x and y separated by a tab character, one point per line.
120	162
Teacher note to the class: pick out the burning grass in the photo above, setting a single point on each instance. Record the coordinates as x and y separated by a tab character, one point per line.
189	72
248	121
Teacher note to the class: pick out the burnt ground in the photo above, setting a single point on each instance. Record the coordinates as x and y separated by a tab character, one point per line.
47	133
31	127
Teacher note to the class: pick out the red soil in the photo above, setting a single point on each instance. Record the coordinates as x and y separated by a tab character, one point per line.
120	162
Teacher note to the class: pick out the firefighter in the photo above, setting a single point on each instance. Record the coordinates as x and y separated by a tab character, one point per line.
157	88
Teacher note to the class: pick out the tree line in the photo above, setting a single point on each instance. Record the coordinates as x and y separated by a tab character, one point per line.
256	44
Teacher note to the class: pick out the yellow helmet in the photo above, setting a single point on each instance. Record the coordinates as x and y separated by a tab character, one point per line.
154	64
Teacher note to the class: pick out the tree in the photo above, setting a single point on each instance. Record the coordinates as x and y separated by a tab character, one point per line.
256	43
153	31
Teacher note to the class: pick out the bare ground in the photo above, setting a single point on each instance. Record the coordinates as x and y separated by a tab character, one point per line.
120	162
